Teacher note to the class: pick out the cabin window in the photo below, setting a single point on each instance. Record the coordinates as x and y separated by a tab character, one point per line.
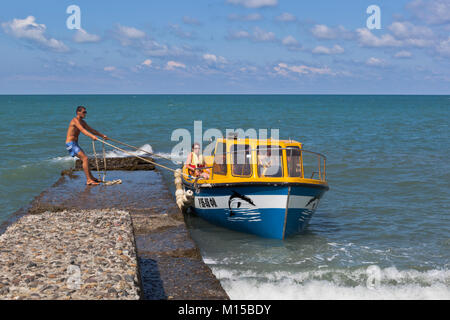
294	162
270	161
241	160
220	159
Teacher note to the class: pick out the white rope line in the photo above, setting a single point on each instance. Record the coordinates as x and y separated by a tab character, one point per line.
143	159
96	160
142	150
103	180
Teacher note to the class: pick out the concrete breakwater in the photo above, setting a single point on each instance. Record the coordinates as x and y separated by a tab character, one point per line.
85	254
169	265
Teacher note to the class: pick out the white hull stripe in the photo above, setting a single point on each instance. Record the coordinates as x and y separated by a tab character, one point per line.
299	202
260	201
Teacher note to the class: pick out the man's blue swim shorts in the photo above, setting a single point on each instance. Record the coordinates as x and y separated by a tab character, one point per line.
73	148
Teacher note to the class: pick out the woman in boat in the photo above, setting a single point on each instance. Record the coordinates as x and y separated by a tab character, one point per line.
264	161
194	161
269	165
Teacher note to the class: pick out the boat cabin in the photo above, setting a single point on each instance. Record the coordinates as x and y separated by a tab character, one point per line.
262	161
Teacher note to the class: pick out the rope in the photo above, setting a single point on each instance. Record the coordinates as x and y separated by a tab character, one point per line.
96	160
103	180
139	149
143	159
104	163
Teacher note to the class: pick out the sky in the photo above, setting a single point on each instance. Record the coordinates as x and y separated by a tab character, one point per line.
225	47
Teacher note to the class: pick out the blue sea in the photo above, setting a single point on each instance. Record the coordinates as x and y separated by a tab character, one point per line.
382	231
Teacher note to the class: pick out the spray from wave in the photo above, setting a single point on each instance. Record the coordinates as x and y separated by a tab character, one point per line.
145	150
62	159
362	283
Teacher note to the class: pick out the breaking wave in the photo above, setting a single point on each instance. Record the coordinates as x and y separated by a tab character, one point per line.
344	284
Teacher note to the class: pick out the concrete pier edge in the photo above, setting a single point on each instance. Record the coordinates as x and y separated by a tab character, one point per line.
170	265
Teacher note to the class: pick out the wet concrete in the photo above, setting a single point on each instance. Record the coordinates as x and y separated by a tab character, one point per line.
170	263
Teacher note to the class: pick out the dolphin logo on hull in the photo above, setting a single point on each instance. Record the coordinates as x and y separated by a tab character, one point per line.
313	202
239	201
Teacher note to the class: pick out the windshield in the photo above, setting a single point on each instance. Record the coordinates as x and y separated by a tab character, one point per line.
270	161
294	161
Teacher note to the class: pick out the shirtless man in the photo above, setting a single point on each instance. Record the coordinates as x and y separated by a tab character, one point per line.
76	126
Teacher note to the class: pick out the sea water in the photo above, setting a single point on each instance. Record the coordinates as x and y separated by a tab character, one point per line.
380	232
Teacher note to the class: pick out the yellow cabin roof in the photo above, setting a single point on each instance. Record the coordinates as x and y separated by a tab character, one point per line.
282	143
291	164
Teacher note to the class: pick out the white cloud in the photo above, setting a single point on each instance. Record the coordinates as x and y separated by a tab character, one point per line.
407	30
432	11
444	47
336	49
322	31
109	68
414	37
417	36
248	69
376	62
180	33
254	3
261	35
138	39
368	39
29	30
286	17
239	35
172	65
284	70
147	63
153	48
130	32
212	58
126	35
403	54
258	35
421	43
82	36
249	17
290	41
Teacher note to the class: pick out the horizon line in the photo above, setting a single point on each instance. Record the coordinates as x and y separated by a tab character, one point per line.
225	94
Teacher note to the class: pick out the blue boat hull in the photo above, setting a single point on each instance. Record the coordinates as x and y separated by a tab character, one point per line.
274	211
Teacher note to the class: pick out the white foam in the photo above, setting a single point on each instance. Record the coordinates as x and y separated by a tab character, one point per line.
146	151
62	159
110	153
335	284
120	154
209	261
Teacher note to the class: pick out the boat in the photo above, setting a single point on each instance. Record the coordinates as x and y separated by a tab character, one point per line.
269	188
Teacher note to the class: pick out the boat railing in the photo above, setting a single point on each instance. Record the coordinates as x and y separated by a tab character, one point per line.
312	164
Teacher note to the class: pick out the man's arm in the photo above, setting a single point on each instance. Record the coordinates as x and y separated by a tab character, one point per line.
94	131
83	129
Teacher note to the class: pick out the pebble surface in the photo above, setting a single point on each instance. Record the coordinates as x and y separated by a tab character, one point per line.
169	263
73	254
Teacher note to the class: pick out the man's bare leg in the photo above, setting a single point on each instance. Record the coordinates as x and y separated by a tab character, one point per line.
90	180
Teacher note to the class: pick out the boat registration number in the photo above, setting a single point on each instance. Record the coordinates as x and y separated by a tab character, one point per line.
206	202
